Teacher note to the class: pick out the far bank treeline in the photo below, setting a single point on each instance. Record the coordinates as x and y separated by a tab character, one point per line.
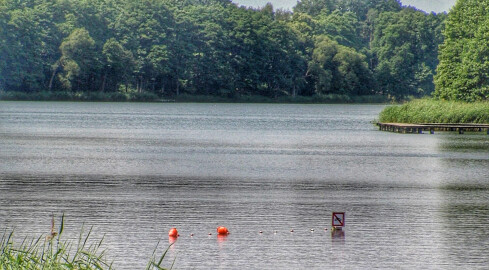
215	48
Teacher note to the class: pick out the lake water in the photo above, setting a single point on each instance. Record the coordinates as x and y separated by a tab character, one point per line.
133	171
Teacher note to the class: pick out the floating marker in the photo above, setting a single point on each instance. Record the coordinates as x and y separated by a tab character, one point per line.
222	230
173	232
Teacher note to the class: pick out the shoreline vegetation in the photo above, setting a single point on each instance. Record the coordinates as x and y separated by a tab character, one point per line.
461	93
151	97
431	111
50	252
327	51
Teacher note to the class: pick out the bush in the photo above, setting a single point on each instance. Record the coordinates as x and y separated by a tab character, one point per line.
143	97
57	96
15	96
102	96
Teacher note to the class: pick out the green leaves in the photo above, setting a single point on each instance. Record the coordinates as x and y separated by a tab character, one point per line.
119	64
77	59
464	56
213	47
337	69
405	45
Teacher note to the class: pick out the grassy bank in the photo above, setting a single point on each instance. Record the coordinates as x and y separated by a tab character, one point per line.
436	111
150	97
51	252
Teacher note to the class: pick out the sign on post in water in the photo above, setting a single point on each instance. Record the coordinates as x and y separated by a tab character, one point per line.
338	220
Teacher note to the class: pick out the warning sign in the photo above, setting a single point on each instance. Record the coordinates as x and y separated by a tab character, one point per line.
338	219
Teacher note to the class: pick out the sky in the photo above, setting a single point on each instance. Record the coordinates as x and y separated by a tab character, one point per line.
426	5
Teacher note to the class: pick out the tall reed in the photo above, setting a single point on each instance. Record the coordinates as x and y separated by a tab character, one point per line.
437	111
51	252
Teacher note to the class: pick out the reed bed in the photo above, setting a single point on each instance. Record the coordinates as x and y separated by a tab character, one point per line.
437	111
52	253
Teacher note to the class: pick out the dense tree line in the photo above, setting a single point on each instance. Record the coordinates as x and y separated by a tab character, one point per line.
463	73
214	47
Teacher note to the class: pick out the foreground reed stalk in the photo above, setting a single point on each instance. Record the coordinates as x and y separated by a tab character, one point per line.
50	252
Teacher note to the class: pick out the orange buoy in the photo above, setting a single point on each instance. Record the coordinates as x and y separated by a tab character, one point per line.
173	232
222	230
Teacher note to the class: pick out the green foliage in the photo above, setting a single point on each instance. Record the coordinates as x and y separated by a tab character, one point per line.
405	44
463	73
119	65
315	99
77	59
166	48
337	69
143	97
69	96
437	111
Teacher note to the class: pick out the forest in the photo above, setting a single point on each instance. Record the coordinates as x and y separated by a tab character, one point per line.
462	77
168	48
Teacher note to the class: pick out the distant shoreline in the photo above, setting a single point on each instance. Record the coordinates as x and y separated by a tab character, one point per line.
151	97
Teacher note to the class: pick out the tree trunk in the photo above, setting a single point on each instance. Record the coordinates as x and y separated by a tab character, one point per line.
178	87
104	80
53	75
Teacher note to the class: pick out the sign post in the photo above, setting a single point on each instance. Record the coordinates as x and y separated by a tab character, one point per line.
338	220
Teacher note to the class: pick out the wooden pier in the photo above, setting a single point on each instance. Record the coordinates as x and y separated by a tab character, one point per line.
420	128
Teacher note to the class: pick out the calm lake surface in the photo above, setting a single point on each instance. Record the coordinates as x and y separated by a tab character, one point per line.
133	171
